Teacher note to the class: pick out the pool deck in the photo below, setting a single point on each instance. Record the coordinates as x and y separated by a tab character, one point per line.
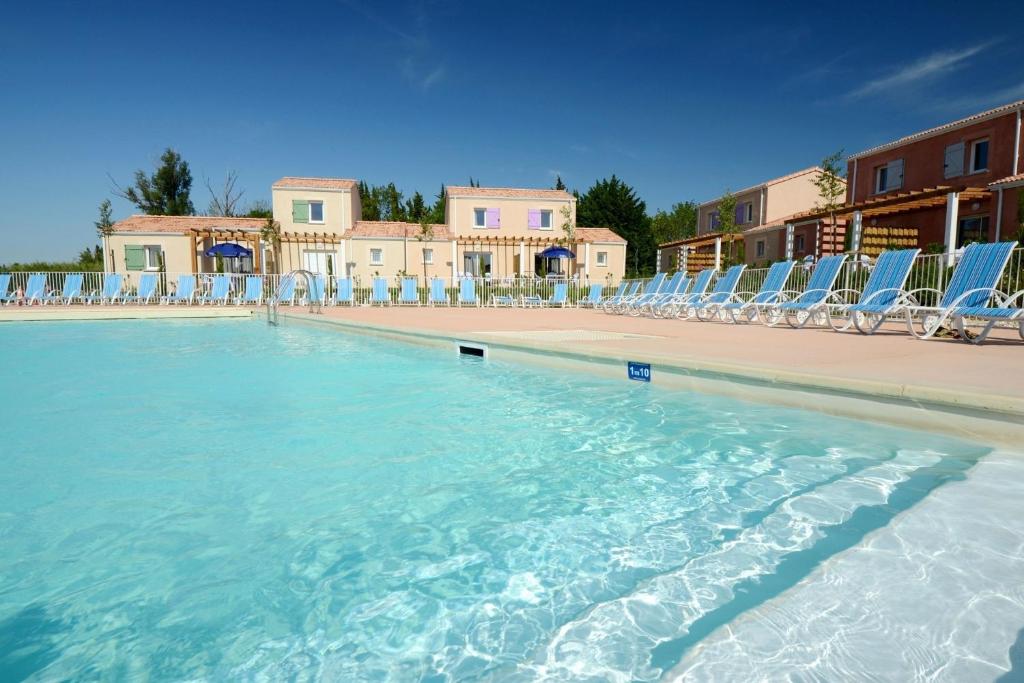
891	363
128	312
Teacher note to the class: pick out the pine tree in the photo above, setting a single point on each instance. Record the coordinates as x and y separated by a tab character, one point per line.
105	225
613	204
437	211
559	185
166	192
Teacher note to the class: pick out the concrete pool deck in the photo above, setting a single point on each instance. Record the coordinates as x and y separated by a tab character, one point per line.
128	312
890	364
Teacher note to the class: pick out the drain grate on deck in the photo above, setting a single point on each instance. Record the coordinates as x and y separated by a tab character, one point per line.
565	335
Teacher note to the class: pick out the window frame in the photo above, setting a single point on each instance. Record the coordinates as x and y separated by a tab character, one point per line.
428	256
984	222
551	219
760	248
482	225
748	215
378	261
799	244
309	212
145	256
880	185
603	263
974	152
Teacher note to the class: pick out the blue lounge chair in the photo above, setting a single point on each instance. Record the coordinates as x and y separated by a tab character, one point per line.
747	306
72	288
144	292
810	305
345	293
710	306
969	296
678	284
286	291
467	293
506	300
5	284
253	294
35	289
185	292
438	293
316	290
653	287
677	302
409	294
379	293
220	289
608	304
111	291
883	294
593	298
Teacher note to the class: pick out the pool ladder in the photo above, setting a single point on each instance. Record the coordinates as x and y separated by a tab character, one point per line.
315	306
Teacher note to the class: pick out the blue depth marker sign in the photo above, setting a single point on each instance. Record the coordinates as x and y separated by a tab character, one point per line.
641	372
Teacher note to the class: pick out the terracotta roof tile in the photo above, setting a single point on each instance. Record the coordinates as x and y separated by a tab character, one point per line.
506	192
946	127
1009	180
315	183
394	229
767	183
597	235
182	224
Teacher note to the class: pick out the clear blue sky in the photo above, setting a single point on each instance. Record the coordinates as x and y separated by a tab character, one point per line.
679	102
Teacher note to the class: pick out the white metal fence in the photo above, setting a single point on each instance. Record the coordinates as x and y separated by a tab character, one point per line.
929	271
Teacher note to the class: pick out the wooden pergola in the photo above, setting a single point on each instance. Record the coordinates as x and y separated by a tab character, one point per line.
901	202
525	247
702	251
252	240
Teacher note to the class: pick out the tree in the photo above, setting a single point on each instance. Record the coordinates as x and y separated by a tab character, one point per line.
727	222
437	212
270	233
568	225
677	224
426	234
416	208
613	204
831	189
105	225
260	209
559	185
225	199
166	192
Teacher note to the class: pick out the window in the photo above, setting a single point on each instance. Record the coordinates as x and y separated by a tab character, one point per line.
545	220
376	257
748	214
316	212
602	258
428	256
798	243
971	229
713	221
153	253
479	218
979	156
760	248
889	177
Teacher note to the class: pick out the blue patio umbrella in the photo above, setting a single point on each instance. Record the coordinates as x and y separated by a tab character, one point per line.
228	250
557	252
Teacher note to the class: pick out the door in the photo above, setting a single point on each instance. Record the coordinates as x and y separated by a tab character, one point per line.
318	261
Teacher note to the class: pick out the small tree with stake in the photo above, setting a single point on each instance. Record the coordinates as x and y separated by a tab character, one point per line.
831	191
727	221
270	233
426	234
105	225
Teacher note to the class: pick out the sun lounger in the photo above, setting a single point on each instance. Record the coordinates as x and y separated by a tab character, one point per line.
810	305
678	284
883	294
709	306
5	284
438	293
507	301
344	293
593	298
677	302
748	306
253	294
144	293
379	293
185	292
409	294
111	291
467	293
653	287
969	296
35	289
609	304
220	288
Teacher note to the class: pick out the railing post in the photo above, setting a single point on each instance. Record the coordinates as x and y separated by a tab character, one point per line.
718	253
857	227
952	216
789	241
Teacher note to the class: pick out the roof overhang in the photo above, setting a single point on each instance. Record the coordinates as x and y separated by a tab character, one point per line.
897	202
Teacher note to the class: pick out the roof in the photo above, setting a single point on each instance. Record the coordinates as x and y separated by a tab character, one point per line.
768	183
394	229
902	201
597	235
182	224
944	128
506	192
294	182
1009	181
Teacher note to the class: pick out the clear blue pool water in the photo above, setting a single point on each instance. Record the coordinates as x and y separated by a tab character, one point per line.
222	500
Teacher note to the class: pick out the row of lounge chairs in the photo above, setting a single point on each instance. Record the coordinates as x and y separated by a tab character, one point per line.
113	291
972	296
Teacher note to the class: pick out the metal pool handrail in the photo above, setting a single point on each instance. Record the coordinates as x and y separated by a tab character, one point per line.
315	303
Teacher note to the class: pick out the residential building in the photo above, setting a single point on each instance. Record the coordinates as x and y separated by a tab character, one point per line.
488	232
945	186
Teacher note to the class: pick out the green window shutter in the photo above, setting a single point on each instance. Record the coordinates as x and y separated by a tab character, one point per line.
134	257
300	211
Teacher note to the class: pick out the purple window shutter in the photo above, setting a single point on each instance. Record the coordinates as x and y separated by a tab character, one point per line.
494	218
740	213
533	219
714	220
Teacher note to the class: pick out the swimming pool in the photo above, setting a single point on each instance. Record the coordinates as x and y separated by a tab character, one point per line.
210	500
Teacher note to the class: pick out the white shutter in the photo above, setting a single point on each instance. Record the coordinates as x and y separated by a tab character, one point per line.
954	162
894	177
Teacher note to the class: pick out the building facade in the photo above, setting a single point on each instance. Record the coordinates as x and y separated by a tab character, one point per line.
317	225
